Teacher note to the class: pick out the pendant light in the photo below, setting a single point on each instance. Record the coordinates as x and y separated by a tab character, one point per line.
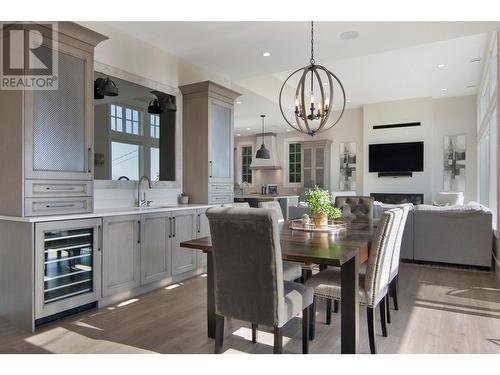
314	97
263	152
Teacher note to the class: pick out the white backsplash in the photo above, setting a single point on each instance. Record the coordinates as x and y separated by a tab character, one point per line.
118	197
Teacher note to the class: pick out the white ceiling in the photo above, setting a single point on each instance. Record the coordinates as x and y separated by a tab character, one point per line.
389	60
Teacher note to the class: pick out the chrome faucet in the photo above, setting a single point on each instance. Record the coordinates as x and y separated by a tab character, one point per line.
143	202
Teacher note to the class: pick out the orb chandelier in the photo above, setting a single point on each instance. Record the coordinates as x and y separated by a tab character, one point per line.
315	92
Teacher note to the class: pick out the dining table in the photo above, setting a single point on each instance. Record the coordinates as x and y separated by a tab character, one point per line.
347	249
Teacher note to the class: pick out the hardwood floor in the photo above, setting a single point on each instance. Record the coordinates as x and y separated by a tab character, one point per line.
442	310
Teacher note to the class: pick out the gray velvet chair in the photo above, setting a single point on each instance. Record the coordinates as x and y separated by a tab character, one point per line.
248	272
273	205
291	270
355	207
237	204
375	283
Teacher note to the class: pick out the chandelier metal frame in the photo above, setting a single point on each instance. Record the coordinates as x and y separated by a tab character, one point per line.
306	113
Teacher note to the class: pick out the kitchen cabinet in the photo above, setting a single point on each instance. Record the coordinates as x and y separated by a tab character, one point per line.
121	254
50	132
184	224
208	122
156	247
58	123
316	164
220	141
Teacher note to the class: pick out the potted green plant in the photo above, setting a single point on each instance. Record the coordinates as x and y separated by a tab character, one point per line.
320	204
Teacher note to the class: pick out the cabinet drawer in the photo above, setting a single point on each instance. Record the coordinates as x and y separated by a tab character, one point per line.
220	198
220	188
57	206
48	188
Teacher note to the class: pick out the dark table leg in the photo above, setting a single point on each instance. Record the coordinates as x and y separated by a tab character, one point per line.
349	275
210	296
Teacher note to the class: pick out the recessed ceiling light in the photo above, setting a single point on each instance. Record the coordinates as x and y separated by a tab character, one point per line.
470	86
349	35
238	135
475	59
441	66
443	89
326	83
266	54
287	130
249	128
348	100
238	102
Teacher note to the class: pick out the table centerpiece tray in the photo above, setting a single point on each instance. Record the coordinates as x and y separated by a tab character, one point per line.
332	226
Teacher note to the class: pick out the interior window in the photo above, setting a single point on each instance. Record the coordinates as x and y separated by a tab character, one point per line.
294	167
246	159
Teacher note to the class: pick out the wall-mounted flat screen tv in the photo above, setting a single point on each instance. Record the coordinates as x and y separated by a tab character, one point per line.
396	157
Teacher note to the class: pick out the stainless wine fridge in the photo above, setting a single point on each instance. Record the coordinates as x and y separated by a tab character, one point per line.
67	265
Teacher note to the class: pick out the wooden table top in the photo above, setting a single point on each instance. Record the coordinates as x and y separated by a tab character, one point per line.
315	247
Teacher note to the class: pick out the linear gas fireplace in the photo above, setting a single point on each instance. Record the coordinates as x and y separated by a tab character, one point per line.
398	198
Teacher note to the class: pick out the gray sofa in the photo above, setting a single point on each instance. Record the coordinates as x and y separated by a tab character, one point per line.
453	234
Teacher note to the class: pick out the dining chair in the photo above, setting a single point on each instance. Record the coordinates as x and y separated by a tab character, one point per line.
273	205
355	207
248	272
374	284
237	204
394	275
291	271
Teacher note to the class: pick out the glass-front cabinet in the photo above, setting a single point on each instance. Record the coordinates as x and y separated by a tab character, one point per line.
67	265
59	122
315	164
221	134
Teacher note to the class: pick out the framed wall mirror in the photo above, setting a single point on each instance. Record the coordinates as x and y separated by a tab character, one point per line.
134	131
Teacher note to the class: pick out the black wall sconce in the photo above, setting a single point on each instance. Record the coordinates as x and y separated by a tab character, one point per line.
104	87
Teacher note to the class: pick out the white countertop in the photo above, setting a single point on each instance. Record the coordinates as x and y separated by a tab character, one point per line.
264	196
110	212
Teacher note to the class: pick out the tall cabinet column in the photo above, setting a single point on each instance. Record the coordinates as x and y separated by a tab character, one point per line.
47	135
208	123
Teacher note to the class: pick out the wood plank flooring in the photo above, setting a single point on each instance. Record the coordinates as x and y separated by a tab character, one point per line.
442	310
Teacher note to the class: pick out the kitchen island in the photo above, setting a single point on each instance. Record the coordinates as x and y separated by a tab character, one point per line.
285	200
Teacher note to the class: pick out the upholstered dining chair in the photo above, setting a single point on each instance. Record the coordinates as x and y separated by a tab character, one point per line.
394	275
273	205
374	284
291	270
355	207
237	204
248	272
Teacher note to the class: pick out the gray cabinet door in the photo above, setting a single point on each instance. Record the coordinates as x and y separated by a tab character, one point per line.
220	141
307	167
58	123
184	229
203	231
319	167
156	248
120	254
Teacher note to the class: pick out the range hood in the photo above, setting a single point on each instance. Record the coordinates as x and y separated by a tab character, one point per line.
273	162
